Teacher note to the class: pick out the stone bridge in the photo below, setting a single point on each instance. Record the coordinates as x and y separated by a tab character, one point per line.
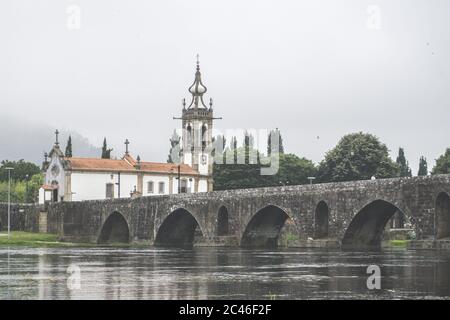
352	214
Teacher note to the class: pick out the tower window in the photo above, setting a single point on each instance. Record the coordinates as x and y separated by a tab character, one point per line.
204	137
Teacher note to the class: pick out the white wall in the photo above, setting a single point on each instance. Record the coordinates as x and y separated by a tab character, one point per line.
92	186
202	185
156	180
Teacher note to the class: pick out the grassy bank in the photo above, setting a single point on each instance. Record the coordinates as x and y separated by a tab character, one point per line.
399	243
30	239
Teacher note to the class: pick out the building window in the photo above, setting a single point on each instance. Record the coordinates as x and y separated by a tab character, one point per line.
161	188
109	190
150	187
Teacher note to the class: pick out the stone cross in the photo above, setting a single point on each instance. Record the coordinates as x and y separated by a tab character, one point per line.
56	134
126	145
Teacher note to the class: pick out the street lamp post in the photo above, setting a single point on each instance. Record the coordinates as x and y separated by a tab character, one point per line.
9	200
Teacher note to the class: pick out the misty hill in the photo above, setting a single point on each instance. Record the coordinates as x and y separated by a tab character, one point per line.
29	141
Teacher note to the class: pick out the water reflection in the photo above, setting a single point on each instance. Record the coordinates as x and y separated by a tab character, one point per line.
221	273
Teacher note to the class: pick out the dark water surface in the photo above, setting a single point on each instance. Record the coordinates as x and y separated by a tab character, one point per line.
219	273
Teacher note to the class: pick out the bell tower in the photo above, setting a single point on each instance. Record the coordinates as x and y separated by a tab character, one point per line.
197	124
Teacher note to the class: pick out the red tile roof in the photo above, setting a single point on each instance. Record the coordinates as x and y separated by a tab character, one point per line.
47	187
126	164
167	167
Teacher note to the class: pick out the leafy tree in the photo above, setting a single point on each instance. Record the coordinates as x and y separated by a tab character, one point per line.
423	167
68	152
25	191
277	135
292	170
106	153
403	166
175	148
357	156
21	170
442	163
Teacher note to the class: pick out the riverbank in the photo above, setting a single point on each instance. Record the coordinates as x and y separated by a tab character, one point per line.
36	240
30	239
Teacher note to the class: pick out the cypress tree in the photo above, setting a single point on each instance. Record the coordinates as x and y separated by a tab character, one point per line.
234	148
403	167
175	152
423	167
68	152
276	134
106	153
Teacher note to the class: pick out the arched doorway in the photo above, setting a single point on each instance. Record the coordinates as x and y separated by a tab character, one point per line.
222	222
366	228
114	230
442	213
178	230
264	228
321	217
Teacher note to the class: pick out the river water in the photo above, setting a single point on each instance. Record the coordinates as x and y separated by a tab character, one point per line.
220	273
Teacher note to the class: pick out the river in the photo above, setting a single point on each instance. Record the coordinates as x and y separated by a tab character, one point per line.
220	273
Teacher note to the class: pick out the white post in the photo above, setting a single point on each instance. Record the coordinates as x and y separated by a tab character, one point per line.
9	203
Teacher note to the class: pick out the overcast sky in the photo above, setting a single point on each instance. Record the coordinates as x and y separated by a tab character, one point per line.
315	69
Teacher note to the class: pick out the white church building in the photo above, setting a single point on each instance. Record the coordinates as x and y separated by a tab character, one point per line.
78	179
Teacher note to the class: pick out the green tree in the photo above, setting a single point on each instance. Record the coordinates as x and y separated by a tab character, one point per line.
277	135
22	169
357	156
442	165
68	152
403	166
22	191
234	148
423	167
249	142
219	141
106	153
292	171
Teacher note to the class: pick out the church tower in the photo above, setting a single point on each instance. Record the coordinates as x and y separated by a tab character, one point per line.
197	123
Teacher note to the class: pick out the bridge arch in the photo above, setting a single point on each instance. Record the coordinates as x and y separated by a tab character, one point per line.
321	220
222	222
114	229
264	227
367	226
442	212
178	229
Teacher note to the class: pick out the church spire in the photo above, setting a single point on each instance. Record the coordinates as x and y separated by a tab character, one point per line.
197	89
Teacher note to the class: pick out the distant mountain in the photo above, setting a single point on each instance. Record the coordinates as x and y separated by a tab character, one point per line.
29	141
